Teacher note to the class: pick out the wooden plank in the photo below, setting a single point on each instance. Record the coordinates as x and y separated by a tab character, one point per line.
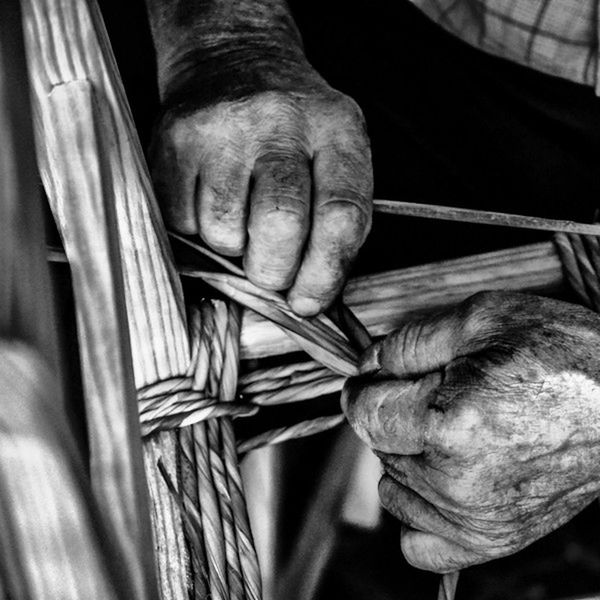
382	301
67	42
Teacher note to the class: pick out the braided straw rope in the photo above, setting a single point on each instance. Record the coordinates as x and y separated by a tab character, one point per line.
210	473
580	255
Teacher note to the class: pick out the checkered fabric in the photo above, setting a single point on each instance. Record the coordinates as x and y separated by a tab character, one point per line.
559	37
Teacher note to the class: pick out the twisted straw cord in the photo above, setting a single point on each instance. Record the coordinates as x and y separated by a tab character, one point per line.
303	391
283	434
172	403
580	256
277	372
214	326
195	454
194	447
229	379
215	332
207	480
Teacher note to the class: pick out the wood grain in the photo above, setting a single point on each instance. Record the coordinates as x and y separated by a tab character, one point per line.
54	543
66	42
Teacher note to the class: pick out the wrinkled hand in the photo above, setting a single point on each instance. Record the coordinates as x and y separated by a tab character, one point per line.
488	425
282	177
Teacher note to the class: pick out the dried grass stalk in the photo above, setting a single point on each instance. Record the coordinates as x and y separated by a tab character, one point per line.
382	301
66	42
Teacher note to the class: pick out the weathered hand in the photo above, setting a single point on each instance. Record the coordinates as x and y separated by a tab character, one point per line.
488	425
279	172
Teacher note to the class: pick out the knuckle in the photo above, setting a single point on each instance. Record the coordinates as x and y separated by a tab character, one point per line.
282	174
340	116
476	313
345	222
348	107
278	225
481	302
175	133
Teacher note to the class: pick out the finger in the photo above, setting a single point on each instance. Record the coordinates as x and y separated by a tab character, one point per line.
174	174
430	343
427	474
222	203
413	510
343	192
431	552
279	219
390	416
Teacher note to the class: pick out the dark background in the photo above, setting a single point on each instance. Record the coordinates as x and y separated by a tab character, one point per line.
452	126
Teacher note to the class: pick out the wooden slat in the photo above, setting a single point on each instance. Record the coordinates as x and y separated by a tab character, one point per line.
383	300
67	42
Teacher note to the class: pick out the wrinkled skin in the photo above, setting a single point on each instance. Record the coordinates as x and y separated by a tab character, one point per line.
487	422
255	152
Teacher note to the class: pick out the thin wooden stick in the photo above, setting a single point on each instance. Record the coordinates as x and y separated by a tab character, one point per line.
482	217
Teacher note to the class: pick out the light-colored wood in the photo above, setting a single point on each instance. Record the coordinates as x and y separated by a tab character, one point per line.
88	226
66	42
482	217
384	300
53	544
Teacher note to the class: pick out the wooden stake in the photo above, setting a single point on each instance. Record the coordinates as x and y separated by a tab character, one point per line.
482	217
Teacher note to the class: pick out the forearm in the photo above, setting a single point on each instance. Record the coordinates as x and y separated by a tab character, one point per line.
225	46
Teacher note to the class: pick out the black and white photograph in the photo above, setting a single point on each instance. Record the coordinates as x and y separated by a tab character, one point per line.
300	300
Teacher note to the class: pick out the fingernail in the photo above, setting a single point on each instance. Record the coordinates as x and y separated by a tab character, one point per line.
369	361
305	307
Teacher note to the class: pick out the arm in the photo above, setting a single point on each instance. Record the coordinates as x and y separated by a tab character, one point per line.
254	150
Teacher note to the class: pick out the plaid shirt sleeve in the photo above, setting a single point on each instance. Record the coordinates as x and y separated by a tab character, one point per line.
559	37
